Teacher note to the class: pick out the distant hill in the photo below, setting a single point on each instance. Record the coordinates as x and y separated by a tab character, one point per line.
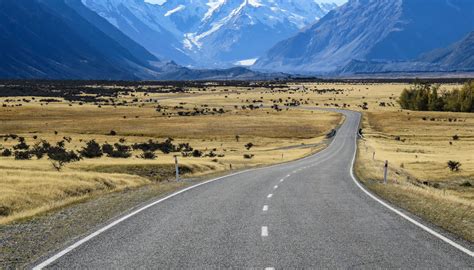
363	32
63	39
49	39
459	56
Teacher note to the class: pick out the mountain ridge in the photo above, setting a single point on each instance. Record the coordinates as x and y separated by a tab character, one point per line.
213	33
39	42
371	31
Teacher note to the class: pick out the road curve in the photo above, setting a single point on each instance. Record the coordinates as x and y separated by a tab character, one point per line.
304	214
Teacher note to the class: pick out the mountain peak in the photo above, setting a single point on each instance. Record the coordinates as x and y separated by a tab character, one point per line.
214	33
372	30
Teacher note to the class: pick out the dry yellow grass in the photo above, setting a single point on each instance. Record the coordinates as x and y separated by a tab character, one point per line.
418	146
26	192
32	187
419	178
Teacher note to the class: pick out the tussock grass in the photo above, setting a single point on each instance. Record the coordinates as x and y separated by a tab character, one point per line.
32	187
419	178
26	193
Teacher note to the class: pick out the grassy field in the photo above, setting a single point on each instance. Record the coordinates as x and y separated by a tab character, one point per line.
34	186
223	119
418	146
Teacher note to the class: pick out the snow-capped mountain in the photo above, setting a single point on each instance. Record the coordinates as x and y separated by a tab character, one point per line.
208	33
362	34
144	23
236	30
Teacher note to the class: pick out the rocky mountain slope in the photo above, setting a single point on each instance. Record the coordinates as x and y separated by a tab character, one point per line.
211	33
363	32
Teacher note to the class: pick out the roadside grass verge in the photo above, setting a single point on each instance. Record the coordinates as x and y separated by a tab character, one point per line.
26	193
419	179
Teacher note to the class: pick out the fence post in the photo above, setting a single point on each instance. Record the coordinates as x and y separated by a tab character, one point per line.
176	167
385	172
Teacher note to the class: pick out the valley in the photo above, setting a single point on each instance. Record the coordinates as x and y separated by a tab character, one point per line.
252	134
224	127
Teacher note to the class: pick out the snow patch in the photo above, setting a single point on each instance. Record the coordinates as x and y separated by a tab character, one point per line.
171	12
213	6
246	62
255	3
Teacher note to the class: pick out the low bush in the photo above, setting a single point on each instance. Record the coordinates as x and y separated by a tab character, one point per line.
466	184
23	155
21	145
148	155
249	146
196	153
59	156
454	165
117	150
6	153
91	150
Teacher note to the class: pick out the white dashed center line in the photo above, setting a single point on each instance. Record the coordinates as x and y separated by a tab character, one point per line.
269	196
275	187
265	208
269	268
281	180
264	231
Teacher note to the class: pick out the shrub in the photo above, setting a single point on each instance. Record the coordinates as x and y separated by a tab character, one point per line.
117	151
454	165
148	155
60	156
21	145
248	156
122	151
466	184
455	137
91	150
424	97
166	147
5	211
107	149
6	153
112	133
197	153
185	147
40	149
23	155
249	145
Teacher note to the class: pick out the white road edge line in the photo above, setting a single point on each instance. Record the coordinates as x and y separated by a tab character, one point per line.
264	231
427	229
270	195
265	208
65	251
114	223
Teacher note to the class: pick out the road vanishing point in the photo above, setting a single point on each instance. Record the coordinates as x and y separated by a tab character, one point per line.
309	213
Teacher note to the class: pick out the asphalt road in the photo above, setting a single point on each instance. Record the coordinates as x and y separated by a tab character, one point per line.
304	214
